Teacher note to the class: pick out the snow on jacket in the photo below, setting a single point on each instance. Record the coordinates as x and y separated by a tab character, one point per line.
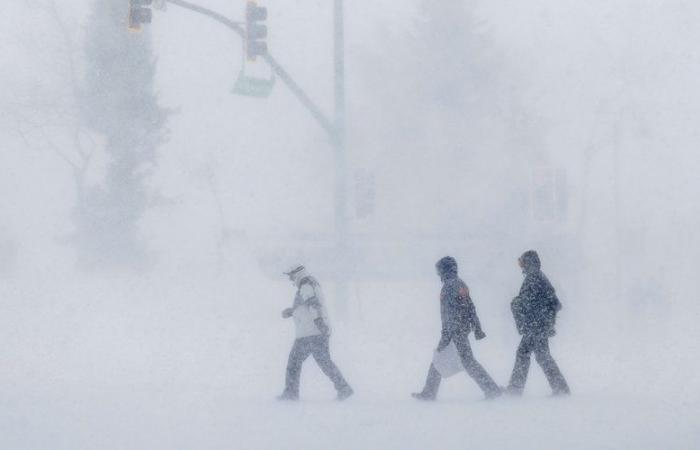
535	308
457	309
309	305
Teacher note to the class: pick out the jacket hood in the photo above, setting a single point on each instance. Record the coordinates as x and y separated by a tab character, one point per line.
297	273
300	276
530	261
447	268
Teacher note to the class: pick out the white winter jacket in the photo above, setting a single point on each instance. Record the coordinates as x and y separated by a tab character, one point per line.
309	305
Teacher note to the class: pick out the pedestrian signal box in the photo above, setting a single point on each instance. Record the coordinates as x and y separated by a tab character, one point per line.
139	13
256	30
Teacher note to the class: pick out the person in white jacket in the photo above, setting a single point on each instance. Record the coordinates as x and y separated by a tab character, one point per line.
312	335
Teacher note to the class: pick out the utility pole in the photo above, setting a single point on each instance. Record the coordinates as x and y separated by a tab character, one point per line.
341	219
335	128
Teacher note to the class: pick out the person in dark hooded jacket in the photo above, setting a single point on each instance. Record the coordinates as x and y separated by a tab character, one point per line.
534	310
459	318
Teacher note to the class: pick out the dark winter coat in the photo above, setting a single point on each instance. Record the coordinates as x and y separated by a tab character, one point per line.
535	308
457	310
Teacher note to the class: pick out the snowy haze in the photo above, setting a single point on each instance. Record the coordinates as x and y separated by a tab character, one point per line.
478	129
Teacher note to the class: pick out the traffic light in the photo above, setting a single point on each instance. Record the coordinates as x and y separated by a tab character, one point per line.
255	31
139	13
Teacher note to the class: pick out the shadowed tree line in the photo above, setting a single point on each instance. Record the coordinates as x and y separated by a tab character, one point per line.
119	104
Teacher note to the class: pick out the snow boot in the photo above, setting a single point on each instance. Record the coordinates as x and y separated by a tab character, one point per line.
513	391
561	392
423	396
345	393
288	396
494	394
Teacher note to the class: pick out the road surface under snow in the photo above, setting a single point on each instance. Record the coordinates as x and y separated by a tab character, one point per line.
152	365
156	418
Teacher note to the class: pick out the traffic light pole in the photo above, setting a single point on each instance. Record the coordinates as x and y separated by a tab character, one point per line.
334	128
341	219
279	71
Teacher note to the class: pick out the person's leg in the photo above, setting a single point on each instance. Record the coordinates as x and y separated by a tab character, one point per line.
473	368
550	367
521	367
432	385
300	351
322	355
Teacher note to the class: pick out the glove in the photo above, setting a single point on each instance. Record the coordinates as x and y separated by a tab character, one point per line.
287	313
322	327
479	335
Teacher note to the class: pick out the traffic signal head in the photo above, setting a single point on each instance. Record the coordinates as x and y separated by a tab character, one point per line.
256	32
139	13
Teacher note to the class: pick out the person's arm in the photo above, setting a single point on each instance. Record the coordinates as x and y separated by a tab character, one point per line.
322	326
308	294
309	298
448	295
475	323
528	290
554	305
516	309
472	316
445	338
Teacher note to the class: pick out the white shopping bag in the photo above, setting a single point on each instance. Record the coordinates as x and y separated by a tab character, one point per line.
448	362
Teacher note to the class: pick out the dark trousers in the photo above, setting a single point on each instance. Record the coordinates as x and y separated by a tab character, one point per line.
318	347
471	365
539	344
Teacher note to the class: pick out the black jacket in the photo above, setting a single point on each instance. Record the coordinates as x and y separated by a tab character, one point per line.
456	308
535	308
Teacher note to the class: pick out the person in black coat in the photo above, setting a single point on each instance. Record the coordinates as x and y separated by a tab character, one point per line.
534	310
459	318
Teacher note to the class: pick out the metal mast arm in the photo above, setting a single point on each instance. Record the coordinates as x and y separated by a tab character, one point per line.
274	65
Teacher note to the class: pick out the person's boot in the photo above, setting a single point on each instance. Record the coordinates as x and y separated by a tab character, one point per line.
288	396
423	396
512	391
431	387
494	394
344	393
563	392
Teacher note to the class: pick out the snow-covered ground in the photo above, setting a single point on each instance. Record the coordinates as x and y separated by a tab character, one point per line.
149	364
475	129
157	417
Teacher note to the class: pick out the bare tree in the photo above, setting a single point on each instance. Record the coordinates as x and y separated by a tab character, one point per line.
118	103
41	102
88	92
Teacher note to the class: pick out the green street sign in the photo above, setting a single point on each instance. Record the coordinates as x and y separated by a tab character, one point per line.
252	86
